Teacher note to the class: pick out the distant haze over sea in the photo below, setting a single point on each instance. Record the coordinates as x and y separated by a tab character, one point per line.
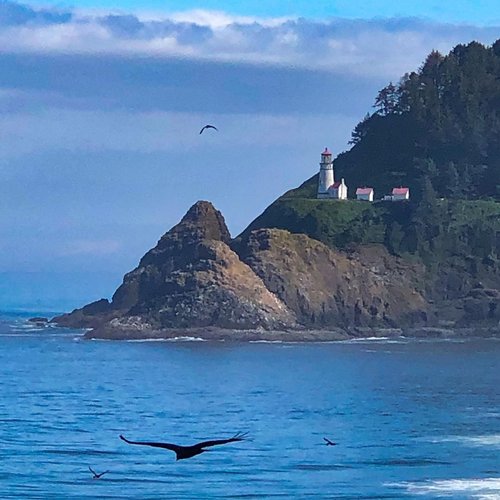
54	292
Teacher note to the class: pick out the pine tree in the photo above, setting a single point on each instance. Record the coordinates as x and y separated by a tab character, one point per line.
387	100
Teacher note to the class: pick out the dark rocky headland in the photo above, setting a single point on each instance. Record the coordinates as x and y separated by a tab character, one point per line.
270	284
309	269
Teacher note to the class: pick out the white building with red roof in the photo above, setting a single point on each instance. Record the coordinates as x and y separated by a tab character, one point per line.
364	193
327	187
400	193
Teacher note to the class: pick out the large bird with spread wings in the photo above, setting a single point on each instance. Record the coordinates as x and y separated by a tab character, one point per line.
182	452
207	127
96	475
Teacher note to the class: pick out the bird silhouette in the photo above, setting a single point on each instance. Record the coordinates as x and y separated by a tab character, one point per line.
97	476
208	126
182	452
329	443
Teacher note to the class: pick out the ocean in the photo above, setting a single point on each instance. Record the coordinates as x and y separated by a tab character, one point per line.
411	419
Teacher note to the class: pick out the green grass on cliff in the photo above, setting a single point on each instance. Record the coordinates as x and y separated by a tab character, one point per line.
446	228
335	223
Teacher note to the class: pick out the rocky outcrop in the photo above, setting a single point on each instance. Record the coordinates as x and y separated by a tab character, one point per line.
326	288
90	316
191	278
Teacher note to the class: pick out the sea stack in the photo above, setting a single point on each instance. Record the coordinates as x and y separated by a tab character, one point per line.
190	279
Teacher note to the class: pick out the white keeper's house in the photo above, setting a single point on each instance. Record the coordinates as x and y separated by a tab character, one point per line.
400	194
364	193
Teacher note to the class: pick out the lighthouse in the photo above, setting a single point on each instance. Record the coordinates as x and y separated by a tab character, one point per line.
325	174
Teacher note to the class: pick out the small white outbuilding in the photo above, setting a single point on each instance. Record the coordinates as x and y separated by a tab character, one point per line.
364	193
400	193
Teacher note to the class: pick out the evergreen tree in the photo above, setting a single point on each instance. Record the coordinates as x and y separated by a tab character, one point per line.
360	130
387	100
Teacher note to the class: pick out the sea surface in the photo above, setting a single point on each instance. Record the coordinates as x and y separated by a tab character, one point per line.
412	419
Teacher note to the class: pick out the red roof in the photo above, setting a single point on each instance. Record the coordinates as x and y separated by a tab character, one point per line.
401	190
326	152
335	185
364	190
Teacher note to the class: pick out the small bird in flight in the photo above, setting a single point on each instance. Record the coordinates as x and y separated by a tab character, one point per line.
182	452
329	443
208	126
97	476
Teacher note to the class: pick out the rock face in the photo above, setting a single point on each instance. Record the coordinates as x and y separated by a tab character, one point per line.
325	288
191	278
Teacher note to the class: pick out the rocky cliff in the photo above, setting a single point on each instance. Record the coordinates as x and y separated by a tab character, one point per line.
191	278
196	277
325	287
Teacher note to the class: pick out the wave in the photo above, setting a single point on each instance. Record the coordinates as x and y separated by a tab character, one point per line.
486	440
186	339
381	340
173	339
487	488
490	440
266	342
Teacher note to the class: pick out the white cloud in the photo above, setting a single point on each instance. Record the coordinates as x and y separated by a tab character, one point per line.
377	47
217	19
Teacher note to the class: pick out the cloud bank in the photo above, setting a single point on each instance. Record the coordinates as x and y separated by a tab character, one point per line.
376	47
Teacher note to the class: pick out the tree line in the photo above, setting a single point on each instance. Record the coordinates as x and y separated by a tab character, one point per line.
438	128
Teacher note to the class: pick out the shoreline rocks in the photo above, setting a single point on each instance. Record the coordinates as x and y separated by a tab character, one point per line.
296	336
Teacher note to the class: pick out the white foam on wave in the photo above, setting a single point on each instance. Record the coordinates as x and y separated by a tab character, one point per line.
27	328
266	342
140	341
173	339
186	339
490	440
487	488
371	340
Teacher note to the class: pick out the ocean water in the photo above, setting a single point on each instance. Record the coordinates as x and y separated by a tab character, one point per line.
411	419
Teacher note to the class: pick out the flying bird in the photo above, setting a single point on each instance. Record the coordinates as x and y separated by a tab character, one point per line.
329	443
182	452
208	126
97	476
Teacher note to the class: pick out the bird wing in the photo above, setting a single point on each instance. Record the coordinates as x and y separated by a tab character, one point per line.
215	442
102	473
92	470
327	441
166	446
208	126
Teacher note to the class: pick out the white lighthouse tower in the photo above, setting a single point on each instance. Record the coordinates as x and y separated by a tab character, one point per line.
325	174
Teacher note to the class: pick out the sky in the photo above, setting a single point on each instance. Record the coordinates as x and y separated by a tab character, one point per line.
100	109
468	11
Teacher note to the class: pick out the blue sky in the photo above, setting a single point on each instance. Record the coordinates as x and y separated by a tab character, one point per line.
100	112
468	11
